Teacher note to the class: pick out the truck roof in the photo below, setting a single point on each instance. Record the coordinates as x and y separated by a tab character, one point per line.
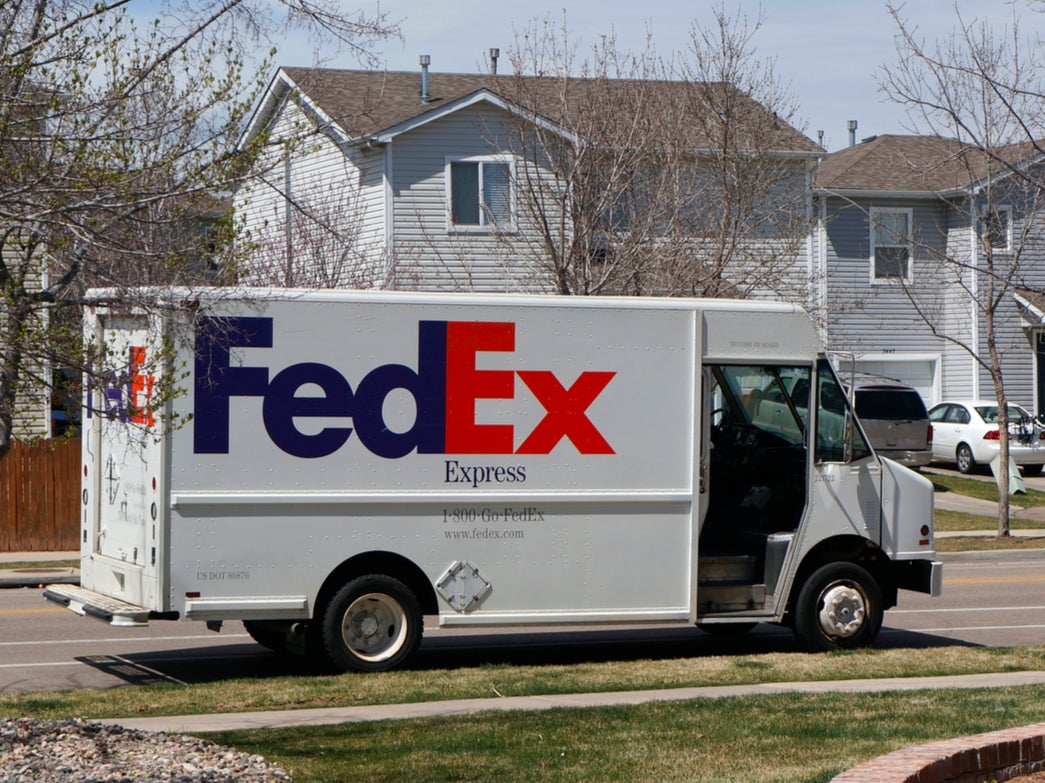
182	296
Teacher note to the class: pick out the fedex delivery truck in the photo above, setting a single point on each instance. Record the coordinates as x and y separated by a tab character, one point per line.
331	467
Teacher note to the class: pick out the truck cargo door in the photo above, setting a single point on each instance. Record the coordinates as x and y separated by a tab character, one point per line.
123	453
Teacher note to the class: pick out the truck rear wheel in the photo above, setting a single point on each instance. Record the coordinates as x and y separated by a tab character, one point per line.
373	623
839	607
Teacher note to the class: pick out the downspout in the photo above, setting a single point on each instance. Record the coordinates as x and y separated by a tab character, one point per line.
812	254
822	261
974	313
288	217
389	205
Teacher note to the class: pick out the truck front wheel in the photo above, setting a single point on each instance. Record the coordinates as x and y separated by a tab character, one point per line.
838	607
373	623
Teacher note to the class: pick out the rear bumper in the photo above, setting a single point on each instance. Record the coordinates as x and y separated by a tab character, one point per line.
89	603
1021	455
907	458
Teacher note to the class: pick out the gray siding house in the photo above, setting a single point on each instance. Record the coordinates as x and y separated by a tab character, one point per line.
921	241
419	180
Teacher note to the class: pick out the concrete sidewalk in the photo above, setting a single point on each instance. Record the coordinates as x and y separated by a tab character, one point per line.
40	574
277	719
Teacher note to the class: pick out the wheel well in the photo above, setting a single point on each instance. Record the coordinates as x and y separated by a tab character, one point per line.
387	563
850	549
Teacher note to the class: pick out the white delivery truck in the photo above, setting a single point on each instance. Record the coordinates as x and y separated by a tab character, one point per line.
330	467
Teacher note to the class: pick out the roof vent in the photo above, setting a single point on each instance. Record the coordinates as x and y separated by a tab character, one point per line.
426	60
851	125
494	54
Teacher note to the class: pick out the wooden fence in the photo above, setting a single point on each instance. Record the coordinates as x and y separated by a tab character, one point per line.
40	497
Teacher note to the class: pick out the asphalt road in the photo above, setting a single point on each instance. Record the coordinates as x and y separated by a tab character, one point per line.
44	647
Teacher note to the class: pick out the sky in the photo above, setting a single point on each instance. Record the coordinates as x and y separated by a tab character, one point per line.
826	52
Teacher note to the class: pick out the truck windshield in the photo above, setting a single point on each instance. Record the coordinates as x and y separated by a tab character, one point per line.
775	400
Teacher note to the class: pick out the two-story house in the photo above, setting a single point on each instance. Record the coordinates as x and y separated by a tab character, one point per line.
479	182
923	244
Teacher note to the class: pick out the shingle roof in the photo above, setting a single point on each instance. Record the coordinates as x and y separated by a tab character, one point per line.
911	164
367	102
1035	299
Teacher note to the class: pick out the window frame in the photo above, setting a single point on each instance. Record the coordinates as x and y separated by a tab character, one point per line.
486	224
1004	209
908	213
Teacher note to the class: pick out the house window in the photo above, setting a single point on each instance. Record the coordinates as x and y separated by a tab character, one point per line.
996	228
480	193
890	244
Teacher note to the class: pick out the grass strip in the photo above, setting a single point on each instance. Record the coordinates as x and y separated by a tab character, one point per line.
786	738
984	488
22	564
959	521
492	681
987	544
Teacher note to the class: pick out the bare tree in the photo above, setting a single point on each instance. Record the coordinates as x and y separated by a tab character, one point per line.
314	241
116	132
642	175
981	86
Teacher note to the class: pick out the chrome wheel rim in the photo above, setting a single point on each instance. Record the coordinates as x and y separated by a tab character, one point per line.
375	627
843	611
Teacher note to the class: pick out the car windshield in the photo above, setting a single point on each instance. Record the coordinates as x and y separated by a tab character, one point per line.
989	413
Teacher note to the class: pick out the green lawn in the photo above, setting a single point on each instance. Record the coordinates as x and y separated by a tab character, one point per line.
787	738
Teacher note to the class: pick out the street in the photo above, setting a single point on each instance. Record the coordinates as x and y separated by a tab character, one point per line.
44	647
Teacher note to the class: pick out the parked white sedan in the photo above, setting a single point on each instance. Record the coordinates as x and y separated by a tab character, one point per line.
966	432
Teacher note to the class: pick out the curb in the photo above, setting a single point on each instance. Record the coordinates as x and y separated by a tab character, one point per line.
36	577
995	756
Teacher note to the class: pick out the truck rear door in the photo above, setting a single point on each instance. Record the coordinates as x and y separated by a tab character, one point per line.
123	466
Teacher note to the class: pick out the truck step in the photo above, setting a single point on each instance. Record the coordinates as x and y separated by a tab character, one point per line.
87	602
730	597
726	568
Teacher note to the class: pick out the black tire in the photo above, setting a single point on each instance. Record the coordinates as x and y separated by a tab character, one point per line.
372	624
963	456
839	607
1031	470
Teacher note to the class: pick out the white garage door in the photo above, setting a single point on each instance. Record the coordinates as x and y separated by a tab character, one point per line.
917	373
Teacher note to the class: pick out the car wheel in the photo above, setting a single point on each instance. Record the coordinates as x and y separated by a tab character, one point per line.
838	607
963	456
373	623
1031	470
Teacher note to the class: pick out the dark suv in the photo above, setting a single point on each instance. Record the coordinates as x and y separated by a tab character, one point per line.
895	420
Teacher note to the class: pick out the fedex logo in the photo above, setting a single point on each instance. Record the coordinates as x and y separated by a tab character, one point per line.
445	387
127	395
